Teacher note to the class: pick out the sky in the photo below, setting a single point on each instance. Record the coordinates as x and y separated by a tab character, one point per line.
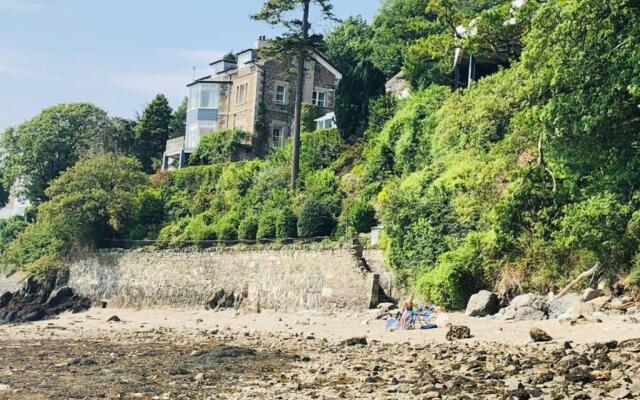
118	54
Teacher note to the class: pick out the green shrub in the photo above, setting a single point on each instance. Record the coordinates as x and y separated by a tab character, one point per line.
309	114
199	228
286	225
318	149
218	147
9	229
267	225
36	242
316	219
248	228
227	227
362	216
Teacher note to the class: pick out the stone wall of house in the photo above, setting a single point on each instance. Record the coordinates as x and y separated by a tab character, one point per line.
287	279
11	283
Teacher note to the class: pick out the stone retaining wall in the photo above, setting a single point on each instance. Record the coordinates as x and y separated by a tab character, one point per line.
12	283
287	279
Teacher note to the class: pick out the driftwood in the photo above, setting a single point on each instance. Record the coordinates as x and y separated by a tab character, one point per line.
585	274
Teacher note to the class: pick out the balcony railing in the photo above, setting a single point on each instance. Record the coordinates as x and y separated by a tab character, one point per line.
175	145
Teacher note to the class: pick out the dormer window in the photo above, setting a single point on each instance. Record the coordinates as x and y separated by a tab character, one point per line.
245	58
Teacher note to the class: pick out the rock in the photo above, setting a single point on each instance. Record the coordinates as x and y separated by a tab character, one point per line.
59	296
589	294
562	306
579	375
114	318
5	298
538	335
355	341
621	393
590	306
600	375
36	315
482	304
529	314
633	310
457	332
224	352
526	307
512	384
384	307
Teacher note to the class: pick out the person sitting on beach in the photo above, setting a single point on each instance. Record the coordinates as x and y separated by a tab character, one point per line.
407	312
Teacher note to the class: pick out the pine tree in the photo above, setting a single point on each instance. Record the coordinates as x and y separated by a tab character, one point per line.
152	132
297	42
179	120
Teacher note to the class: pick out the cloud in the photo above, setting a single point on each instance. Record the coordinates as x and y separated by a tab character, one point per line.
23	5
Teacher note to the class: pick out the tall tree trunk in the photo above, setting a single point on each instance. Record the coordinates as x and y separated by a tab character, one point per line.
295	159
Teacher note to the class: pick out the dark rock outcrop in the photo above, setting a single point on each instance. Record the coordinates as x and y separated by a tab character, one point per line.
38	300
482	304
224	299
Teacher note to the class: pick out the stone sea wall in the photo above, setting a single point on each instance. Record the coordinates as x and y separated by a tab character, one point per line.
286	279
12	283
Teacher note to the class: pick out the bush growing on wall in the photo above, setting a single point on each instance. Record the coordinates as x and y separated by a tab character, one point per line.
286	225
309	114
248	228
316	219
267	225
218	147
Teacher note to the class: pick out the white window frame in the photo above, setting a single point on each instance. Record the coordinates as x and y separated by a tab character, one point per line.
241	93
280	141
316	98
284	94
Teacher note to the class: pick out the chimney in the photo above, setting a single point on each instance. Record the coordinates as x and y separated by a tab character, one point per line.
261	42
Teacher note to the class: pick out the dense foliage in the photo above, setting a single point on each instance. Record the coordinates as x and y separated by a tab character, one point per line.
218	147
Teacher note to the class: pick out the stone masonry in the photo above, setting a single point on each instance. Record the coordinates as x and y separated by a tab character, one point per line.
289	279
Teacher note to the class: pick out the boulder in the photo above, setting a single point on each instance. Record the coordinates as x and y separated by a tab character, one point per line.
538	335
386	307
5	298
482	304
589	294
526	307
355	341
529	314
562	307
590	307
59	296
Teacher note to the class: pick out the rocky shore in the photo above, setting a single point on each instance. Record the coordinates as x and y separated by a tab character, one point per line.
38	300
227	364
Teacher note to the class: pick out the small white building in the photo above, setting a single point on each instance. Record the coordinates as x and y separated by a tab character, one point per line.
16	205
327	121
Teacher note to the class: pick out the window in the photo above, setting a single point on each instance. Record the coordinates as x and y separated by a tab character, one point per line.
277	136
203	95
320	99
281	94
193	97
192	135
241	93
208	95
245	58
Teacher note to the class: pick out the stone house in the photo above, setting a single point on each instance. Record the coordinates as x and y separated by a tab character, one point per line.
252	94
